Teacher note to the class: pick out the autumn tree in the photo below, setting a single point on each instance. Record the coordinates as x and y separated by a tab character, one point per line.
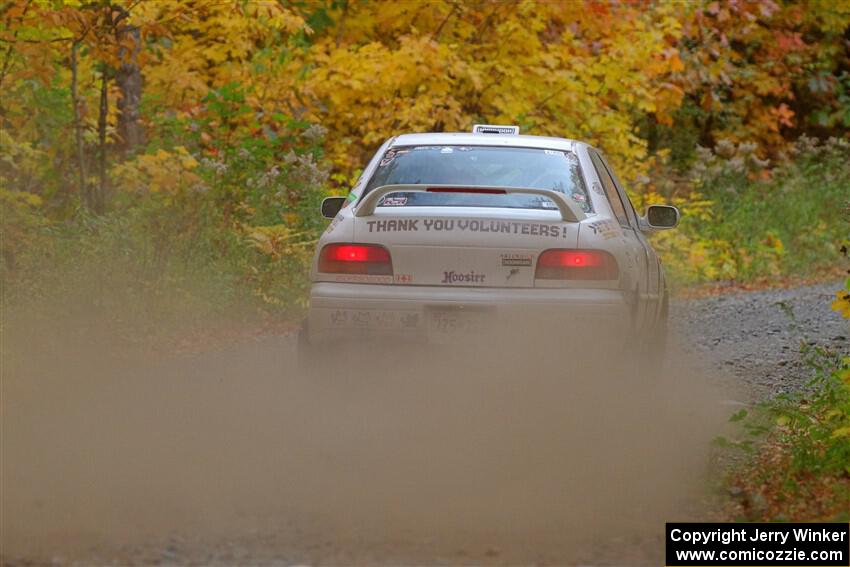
554	68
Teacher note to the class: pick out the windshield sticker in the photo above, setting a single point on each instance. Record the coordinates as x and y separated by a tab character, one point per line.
517	260
393	202
464	225
391	155
388	158
442	149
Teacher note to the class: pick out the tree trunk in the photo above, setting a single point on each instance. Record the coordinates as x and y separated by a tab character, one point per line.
100	196
651	133
129	81
78	128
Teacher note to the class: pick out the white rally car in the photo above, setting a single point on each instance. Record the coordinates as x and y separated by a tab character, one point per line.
446	233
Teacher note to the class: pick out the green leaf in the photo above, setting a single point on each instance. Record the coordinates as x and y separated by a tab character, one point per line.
738	416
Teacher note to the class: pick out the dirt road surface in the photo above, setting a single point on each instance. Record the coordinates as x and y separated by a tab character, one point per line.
752	337
499	455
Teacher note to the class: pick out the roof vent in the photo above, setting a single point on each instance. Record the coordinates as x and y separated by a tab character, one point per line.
495	129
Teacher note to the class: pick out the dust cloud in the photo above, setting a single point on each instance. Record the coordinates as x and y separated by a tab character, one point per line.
523	447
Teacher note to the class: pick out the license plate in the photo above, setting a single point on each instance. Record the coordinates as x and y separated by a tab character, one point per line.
373	319
451	325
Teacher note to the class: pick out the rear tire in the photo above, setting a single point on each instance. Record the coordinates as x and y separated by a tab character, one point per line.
305	352
656	351
317	361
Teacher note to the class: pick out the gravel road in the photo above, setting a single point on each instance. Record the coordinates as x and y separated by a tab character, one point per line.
229	457
750	336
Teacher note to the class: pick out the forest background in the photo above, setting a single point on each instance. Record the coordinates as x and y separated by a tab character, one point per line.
163	160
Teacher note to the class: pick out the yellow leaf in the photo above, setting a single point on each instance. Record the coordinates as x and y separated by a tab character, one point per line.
841	432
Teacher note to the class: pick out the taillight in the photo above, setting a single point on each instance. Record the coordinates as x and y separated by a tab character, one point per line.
366	259
477	190
559	264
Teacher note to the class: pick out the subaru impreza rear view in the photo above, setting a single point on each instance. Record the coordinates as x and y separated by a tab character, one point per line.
444	234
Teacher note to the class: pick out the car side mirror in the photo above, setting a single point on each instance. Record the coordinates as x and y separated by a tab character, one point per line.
661	217
331	206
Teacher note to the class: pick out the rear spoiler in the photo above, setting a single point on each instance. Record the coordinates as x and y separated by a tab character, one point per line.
570	211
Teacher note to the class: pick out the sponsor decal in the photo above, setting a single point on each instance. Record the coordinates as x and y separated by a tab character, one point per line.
453	277
517	259
494	129
403	278
468	225
361	278
607	229
394	201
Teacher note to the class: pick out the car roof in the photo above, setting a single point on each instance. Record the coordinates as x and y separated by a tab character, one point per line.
468	139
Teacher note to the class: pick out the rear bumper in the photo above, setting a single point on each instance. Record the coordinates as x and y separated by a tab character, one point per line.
346	311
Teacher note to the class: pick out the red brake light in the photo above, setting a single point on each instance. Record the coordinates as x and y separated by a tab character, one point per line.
559	264
368	259
478	190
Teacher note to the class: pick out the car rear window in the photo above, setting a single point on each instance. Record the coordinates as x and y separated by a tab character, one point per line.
479	165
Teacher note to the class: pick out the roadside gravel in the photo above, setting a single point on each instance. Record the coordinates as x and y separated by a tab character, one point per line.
749	336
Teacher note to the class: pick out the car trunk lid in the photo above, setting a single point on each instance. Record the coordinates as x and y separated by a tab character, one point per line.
465	246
